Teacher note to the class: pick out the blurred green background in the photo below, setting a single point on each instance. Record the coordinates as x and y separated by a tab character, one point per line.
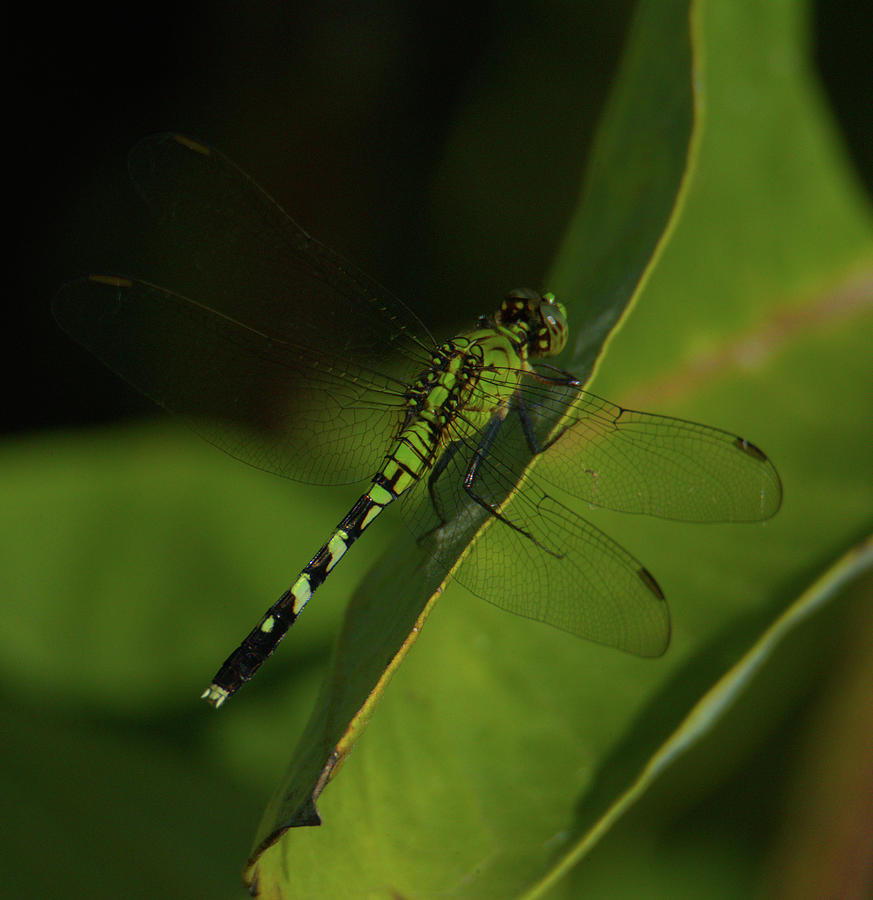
441	148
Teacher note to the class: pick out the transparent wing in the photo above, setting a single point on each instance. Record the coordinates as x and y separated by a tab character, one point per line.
242	255
532	555
275	348
298	411
561	570
639	462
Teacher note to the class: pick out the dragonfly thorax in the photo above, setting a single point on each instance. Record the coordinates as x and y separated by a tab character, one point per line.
538	320
471	378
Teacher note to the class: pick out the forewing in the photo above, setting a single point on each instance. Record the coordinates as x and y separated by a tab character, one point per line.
274	347
297	411
640	462
243	256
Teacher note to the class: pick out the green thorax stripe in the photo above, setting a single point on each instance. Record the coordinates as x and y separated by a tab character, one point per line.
471	379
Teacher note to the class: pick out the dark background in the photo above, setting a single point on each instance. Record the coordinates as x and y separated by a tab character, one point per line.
347	114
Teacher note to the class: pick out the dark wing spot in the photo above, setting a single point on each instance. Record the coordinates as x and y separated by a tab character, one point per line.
649	581
750	448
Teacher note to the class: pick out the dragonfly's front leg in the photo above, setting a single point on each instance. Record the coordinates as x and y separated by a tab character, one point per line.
564	379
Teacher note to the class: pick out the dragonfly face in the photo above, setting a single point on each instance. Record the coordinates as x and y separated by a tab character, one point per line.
545	317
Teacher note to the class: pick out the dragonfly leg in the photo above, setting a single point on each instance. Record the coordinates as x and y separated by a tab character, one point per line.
440	467
520	407
488	436
559	377
536	447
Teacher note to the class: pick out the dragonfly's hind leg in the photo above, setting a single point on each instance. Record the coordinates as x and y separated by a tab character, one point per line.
438	469
485	442
488	437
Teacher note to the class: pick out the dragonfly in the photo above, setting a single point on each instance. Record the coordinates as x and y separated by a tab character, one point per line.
286	356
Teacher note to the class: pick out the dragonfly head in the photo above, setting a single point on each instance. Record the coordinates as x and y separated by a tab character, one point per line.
542	316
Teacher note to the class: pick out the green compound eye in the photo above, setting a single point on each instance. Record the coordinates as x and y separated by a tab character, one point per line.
555	328
282	354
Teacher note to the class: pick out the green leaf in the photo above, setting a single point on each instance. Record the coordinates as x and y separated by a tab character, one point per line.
740	685
611	242
503	751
